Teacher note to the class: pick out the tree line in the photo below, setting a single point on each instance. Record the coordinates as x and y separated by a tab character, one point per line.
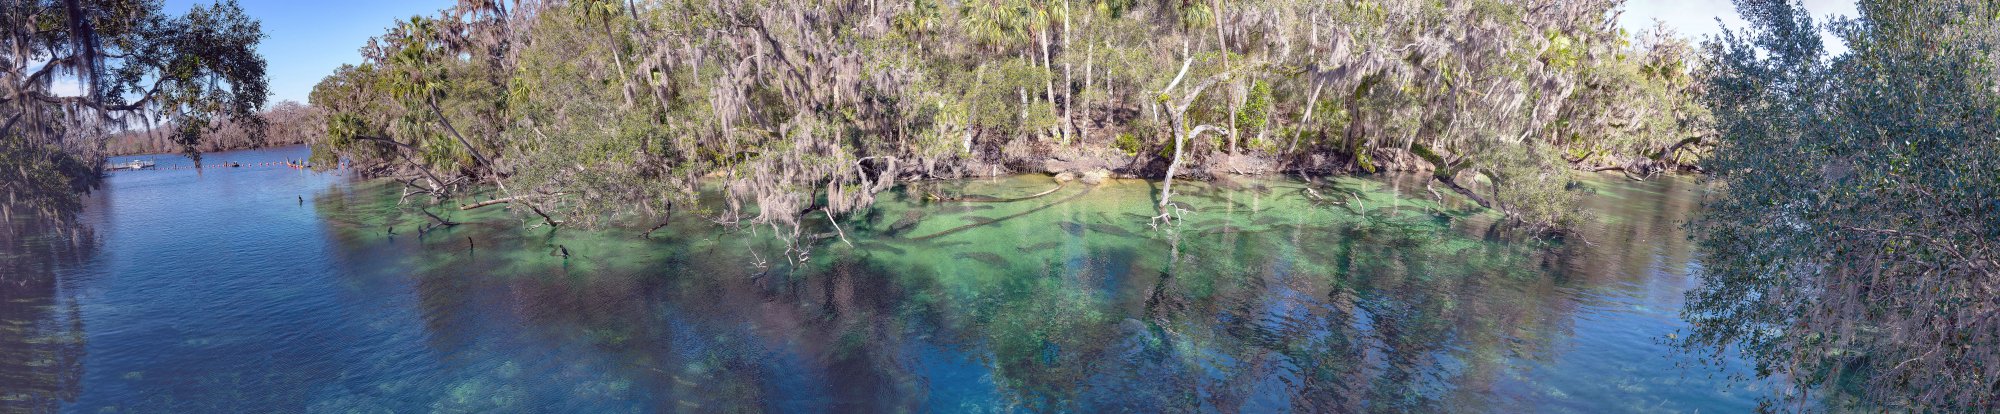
584	111
285	123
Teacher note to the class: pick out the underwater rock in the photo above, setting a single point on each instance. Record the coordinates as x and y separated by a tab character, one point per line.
1134	328
1096	176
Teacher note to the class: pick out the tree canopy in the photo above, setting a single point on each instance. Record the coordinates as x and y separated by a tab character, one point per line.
1855	205
587	111
132	64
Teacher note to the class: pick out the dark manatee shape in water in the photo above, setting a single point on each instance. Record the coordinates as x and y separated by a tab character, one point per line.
909	221
1223	230
1269	220
1039	246
1110	229
965	208
873	246
983	257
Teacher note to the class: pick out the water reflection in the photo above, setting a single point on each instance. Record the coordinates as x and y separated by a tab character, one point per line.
42	336
1355	296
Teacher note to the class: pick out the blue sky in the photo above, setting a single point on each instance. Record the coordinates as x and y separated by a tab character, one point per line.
1696	18
308	39
305	39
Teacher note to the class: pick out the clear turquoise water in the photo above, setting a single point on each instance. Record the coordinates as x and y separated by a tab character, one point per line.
267	289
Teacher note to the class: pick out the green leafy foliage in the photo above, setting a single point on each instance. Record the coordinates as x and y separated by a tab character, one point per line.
1851	232
195	73
628	110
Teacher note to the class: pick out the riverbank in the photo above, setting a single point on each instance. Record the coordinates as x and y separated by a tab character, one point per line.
1105	159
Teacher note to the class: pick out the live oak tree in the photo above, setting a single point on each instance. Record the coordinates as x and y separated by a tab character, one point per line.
131	63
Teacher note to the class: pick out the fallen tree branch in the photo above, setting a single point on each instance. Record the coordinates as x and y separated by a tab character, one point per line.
1447	173
505	200
836	227
441	221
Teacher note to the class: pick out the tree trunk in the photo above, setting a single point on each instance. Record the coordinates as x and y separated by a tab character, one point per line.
1089	59
1357	121
454	133
1446	172
1069	98
1222	44
1311	103
1173	165
1049	86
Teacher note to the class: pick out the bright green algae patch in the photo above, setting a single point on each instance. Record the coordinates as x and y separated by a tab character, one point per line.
973	240
1262	280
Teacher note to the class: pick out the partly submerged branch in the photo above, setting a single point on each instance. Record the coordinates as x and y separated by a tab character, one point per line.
505	200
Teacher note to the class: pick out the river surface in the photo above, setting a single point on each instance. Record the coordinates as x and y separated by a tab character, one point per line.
268	289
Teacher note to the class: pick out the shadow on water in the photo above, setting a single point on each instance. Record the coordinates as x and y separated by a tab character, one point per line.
1264	298
42	335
